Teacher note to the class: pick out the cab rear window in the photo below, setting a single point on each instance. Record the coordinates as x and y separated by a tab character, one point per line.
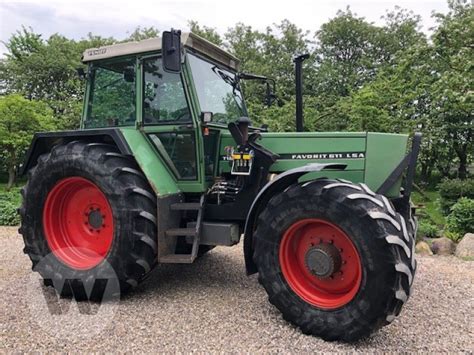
112	95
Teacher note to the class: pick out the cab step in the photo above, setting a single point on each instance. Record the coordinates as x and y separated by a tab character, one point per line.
177	259
186	206
192	233
181	232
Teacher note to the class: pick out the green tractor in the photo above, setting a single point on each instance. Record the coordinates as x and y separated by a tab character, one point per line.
166	166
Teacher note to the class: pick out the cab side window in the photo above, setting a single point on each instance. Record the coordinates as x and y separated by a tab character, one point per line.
164	100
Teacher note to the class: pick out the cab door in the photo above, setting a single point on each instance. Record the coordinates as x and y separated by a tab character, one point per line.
166	118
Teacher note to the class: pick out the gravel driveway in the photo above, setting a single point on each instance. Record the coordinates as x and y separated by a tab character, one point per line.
212	306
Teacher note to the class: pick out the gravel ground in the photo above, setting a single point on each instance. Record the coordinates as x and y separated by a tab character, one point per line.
213	306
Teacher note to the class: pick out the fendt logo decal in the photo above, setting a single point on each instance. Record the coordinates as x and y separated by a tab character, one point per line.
321	156
98	51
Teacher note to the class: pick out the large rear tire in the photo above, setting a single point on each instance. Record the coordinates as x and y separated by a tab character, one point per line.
87	208
335	258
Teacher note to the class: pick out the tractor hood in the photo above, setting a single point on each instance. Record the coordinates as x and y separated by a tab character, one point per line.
370	157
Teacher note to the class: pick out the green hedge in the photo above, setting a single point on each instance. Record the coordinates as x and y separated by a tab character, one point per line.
451	191
9	203
427	230
461	219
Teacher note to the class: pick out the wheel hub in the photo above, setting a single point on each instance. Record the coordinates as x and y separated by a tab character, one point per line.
95	219
323	260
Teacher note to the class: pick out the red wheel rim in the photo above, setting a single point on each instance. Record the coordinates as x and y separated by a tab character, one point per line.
78	223
333	291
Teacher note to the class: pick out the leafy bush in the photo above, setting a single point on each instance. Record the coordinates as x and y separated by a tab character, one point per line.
426	229
461	219
9	202
452	190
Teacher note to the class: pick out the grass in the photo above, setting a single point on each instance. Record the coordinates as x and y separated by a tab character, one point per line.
429	206
9	202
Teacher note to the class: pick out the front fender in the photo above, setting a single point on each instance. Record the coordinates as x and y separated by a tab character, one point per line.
280	183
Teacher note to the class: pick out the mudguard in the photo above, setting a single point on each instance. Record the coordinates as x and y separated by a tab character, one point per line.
44	141
280	183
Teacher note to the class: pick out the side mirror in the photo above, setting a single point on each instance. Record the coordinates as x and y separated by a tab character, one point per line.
270	86
270	96
171	48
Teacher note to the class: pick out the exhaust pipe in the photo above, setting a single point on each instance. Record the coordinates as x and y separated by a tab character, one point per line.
298	60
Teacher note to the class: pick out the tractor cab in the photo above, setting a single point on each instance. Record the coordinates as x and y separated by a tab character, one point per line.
182	108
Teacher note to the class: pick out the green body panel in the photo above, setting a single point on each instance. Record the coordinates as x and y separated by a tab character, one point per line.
160	178
384	152
370	157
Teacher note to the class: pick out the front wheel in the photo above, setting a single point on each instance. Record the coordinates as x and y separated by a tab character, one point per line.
335	258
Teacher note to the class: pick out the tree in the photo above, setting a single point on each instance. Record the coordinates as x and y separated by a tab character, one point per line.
45	70
360	76
208	33
350	54
453	95
271	54
141	33
19	120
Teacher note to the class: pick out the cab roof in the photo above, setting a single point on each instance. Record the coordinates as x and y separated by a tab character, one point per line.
188	40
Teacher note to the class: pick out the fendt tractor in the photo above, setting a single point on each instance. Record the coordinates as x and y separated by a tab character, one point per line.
167	165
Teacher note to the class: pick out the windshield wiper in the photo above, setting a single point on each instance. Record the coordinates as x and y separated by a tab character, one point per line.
227	78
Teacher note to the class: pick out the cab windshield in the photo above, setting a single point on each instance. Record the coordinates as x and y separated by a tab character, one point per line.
217	90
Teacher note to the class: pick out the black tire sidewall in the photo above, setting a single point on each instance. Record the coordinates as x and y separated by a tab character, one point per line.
372	265
46	179
377	262
89	165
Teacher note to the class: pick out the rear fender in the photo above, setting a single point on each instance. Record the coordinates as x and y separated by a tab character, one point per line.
280	183
43	142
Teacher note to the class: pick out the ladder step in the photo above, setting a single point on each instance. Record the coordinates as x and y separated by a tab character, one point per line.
181	232
186	206
176	259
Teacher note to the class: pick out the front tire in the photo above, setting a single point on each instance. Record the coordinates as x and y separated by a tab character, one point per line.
87	209
334	258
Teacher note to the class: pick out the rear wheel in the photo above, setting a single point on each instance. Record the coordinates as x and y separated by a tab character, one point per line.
87	210
334	258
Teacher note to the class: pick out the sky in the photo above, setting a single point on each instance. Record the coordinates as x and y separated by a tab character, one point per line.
116	18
